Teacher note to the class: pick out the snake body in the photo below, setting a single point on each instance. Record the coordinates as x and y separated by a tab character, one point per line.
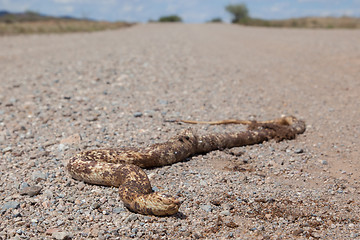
122	167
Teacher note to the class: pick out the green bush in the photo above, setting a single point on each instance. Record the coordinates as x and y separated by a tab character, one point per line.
170	18
216	20
240	12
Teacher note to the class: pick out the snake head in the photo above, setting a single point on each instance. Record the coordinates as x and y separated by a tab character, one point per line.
163	205
155	204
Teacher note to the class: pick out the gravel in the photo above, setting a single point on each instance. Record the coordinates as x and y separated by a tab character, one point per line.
61	94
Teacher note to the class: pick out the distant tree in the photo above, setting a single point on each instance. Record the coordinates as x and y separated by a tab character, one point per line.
32	13
170	18
216	20
240	12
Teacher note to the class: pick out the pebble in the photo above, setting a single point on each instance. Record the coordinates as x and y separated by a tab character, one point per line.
7	149
62	147
206	208
324	162
2	138
118	210
203	183
31	191
59	222
92	118
131	217
354	235
137	114
73	139
61	235
299	150
10	205
24	185
38	176
163	102
48	193
149	113
95	205
225	213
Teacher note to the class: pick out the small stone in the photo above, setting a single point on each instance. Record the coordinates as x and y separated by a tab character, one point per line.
225	213
34	220
231	224
299	150
16	213
92	118
163	102
46	204
203	183
95	205
2	138
236	152
216	202
24	185
131	217
38	176
73	139
10	205
149	113
354	235
228	207
138	114
48	193
59	222
324	162
315	235
298	232
206	208
118	210
62	147
7	149
31	191
61	235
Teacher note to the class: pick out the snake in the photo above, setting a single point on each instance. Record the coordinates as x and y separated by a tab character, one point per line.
123	167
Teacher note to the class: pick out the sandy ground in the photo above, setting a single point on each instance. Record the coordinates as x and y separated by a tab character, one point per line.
61	94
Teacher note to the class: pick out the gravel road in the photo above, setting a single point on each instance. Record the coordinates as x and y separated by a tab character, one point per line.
61	94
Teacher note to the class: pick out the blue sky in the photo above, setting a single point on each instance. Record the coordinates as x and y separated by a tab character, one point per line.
194	11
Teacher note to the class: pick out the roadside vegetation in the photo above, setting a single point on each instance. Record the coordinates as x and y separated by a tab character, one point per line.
215	20
32	22
170	18
240	15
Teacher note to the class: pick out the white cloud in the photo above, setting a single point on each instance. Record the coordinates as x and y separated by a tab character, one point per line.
139	8
127	8
68	9
15	6
64	1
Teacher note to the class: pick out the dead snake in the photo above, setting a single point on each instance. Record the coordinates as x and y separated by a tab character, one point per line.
122	167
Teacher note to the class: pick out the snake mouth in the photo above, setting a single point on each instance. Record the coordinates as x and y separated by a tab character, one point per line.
164	205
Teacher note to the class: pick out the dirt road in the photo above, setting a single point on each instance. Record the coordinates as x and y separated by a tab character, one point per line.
60	94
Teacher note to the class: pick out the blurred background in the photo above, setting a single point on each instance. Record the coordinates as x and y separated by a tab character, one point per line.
302	13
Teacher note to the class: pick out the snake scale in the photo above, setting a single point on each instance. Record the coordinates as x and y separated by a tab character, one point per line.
122	168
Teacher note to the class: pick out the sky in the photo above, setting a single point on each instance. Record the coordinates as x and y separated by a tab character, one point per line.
191	11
